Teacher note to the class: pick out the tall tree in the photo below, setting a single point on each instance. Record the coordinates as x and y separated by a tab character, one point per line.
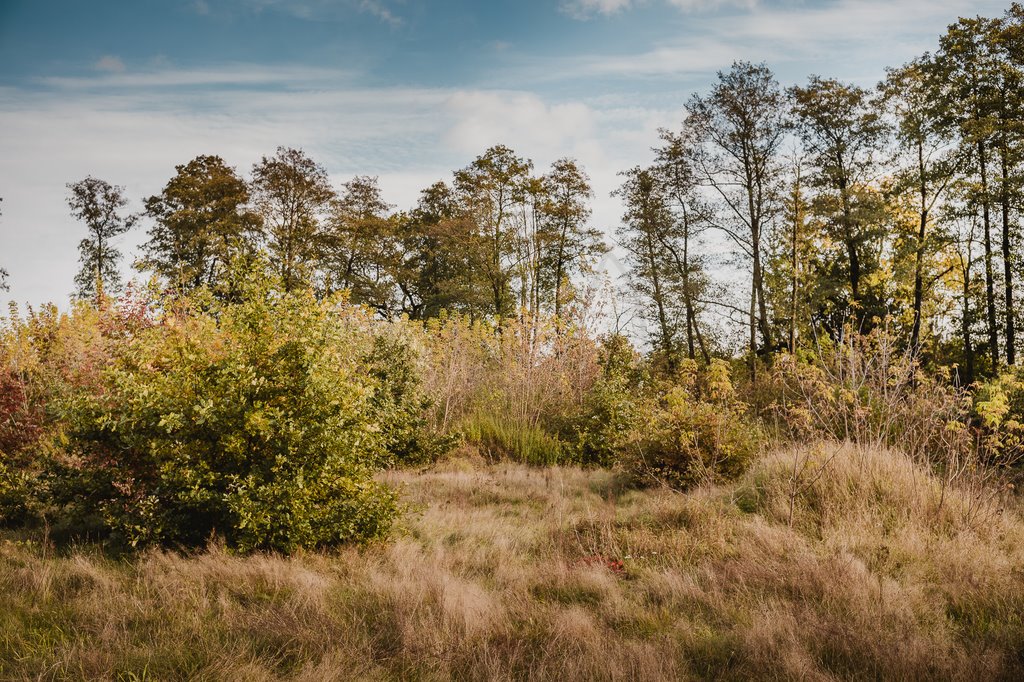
292	194
914	94
442	258
201	222
795	245
967	67
843	130
1008	54
691	217
569	245
736	131
98	204
643	235
492	190
362	252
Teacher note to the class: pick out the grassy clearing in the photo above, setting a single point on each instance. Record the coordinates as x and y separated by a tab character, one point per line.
869	570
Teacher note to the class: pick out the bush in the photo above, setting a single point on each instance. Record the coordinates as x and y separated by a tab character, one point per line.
261	422
697	431
998	409
400	403
865	390
602	430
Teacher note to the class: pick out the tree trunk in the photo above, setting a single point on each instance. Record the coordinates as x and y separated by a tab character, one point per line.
1004	199
990	295
915	334
965	322
753	332
793	263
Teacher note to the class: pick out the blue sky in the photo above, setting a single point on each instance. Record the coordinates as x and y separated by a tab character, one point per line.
408	90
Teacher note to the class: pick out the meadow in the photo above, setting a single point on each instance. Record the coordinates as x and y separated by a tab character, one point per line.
823	561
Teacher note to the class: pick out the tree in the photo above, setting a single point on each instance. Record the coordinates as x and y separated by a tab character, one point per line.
1008	53
692	216
843	130
292	194
201	223
442	266
643	235
735	133
796	281
569	246
913	94
98	203
362	252
966	65
492	190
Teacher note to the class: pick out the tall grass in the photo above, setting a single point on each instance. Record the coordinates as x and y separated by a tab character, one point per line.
501	438
516	572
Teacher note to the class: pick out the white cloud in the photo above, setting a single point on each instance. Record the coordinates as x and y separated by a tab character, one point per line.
860	37
705	5
584	9
375	8
109	63
226	75
518	119
135	135
317	10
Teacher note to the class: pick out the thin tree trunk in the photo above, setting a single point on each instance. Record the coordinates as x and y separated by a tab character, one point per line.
915	335
965	323
1004	199
794	265
990	295
753	332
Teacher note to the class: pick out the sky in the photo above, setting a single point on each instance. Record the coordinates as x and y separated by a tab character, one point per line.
406	90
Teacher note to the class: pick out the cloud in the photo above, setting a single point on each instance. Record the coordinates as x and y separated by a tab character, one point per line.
165	75
378	10
109	63
324	10
851	39
706	5
586	9
518	119
134	135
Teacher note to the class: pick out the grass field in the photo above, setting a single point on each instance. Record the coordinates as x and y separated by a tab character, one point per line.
824	562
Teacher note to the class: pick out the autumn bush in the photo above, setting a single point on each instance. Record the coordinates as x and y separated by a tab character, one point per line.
997	405
864	389
260	421
604	426
695	430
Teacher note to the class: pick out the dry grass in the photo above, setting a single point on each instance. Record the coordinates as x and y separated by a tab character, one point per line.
821	563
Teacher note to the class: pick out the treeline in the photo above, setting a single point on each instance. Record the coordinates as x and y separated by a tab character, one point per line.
497	241
850	207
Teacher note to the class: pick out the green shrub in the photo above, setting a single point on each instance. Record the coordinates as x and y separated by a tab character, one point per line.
257	421
400	403
998	409
696	431
601	431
